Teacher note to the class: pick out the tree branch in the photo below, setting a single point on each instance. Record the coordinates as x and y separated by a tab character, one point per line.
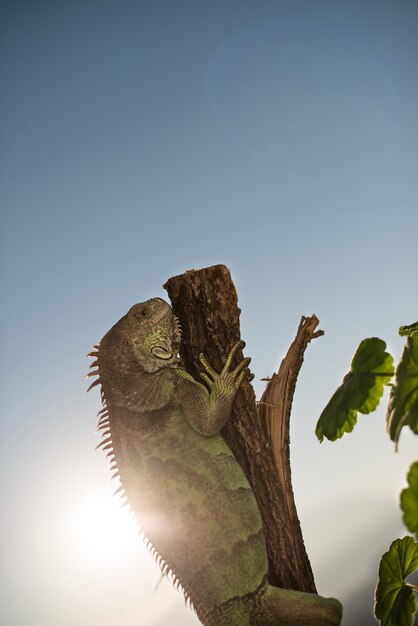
205	301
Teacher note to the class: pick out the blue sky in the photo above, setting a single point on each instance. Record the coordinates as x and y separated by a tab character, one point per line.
142	139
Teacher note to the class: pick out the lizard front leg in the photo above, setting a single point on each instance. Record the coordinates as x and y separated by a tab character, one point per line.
208	409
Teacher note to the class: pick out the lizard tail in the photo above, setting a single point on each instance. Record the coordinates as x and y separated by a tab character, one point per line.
285	607
271	606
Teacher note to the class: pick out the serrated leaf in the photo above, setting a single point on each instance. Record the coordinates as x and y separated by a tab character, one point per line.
361	390
395	603
403	400
409	500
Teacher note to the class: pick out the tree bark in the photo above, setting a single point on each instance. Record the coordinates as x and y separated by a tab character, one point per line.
205	301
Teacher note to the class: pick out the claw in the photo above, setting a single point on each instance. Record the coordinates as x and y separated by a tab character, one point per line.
243	363
206	378
241	377
231	355
208	369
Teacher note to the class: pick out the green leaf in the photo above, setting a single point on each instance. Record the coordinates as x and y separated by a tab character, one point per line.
361	390
395	603
409	500
403	401
408	330
337	418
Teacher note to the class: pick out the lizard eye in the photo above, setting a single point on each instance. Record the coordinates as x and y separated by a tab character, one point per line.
161	351
139	310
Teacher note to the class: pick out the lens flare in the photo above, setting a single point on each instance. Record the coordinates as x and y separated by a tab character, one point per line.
101	527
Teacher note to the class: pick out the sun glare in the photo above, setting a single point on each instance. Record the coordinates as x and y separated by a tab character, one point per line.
101	527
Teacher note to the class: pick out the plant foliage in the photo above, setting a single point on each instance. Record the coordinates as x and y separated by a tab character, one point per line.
395	598
409	500
371	368
361	390
403	401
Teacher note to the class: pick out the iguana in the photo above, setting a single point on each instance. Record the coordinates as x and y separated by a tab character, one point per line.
190	495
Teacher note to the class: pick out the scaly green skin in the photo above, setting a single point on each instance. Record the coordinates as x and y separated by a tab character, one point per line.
182	481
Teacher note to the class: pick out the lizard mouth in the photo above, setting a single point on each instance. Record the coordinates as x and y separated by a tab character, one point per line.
161	351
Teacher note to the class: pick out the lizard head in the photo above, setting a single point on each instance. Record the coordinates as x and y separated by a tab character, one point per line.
153	333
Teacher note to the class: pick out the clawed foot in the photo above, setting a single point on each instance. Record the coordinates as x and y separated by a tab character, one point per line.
226	383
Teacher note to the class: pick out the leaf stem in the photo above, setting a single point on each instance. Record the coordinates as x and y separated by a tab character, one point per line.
411	586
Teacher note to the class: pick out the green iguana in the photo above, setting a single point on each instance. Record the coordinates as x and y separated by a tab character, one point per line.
190	495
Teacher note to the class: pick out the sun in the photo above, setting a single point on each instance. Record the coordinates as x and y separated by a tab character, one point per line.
101	527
